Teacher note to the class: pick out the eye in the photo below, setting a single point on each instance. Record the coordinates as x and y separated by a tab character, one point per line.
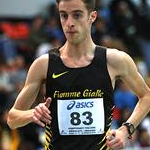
77	15
63	16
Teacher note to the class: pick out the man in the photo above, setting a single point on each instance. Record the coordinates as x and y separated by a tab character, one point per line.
79	77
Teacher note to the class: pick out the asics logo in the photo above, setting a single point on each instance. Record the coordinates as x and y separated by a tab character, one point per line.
71	105
84	104
54	76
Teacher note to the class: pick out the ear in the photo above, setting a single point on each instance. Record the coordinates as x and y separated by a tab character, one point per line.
93	16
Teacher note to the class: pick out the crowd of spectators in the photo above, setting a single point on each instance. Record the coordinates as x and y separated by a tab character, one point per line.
121	24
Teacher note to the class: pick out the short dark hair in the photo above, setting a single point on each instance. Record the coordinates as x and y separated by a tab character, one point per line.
90	4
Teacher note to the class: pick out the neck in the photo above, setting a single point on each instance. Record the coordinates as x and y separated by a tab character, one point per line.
78	50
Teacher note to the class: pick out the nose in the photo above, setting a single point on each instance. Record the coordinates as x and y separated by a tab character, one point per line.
70	22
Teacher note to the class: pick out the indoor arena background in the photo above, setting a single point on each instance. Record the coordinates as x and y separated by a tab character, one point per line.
29	28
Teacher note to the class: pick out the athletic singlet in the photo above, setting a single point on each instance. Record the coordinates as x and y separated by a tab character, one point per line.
82	104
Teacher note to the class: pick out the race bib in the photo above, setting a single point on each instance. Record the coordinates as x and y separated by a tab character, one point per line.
81	116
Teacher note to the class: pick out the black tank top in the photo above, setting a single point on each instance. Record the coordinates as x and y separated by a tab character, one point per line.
82	103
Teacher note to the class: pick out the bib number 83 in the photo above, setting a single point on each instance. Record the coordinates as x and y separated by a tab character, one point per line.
76	120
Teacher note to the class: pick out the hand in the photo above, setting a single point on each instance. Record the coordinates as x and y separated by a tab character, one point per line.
116	139
41	113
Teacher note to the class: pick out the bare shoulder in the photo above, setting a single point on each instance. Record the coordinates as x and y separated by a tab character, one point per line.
114	56
120	61
42	60
39	67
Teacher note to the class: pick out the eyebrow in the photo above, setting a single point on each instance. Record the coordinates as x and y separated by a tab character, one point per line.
74	11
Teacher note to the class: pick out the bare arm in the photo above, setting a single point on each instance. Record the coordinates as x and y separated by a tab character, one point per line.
136	83
21	114
124	68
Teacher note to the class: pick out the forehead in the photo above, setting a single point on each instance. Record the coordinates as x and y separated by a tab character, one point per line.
71	5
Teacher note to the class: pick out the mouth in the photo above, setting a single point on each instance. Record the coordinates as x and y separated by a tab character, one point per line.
71	32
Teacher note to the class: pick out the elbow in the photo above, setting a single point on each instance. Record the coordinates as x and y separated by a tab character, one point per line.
10	124
10	121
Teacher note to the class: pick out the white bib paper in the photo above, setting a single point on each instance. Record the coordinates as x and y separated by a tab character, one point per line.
81	116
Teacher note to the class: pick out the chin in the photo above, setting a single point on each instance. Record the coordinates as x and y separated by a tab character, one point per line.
75	40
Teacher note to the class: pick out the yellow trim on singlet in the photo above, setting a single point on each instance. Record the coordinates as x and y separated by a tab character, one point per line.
104	136
110	118
47	137
47	132
108	148
102	147
47	127
109	125
46	148
47	145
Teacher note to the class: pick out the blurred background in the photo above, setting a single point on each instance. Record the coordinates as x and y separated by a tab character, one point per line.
28	29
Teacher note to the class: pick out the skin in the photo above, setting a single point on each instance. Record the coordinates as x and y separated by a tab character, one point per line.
78	51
